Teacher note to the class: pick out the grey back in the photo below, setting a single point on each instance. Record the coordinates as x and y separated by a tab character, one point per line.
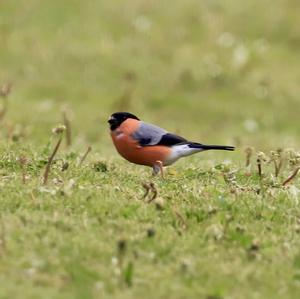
148	134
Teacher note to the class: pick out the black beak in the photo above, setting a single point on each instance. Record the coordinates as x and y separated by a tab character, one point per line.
111	121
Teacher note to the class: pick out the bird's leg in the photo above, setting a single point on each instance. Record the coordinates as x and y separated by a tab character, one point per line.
158	167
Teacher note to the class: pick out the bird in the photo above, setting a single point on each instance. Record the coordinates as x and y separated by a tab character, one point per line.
147	144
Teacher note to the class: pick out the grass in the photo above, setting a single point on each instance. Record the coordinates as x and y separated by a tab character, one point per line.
212	71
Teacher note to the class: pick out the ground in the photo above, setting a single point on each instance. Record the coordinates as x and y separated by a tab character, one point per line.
219	72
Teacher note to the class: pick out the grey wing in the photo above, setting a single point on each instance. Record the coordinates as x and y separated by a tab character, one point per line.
148	134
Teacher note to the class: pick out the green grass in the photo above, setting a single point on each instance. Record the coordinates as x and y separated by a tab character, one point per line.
213	71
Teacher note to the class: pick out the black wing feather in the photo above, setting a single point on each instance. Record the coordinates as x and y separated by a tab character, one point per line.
144	141
169	139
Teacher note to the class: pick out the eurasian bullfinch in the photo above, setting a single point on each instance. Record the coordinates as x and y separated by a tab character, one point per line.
146	144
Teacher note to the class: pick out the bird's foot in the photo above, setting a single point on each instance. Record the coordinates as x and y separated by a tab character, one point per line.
158	167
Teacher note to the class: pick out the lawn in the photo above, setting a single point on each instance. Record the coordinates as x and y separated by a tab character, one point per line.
221	224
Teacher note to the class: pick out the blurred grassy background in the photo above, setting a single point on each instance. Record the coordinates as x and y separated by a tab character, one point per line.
215	71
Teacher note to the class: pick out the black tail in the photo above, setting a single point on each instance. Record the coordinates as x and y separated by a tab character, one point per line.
211	147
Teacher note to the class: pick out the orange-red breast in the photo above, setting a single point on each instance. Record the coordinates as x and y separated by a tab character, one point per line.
147	144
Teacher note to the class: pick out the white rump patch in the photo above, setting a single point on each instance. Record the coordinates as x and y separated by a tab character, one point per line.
179	151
